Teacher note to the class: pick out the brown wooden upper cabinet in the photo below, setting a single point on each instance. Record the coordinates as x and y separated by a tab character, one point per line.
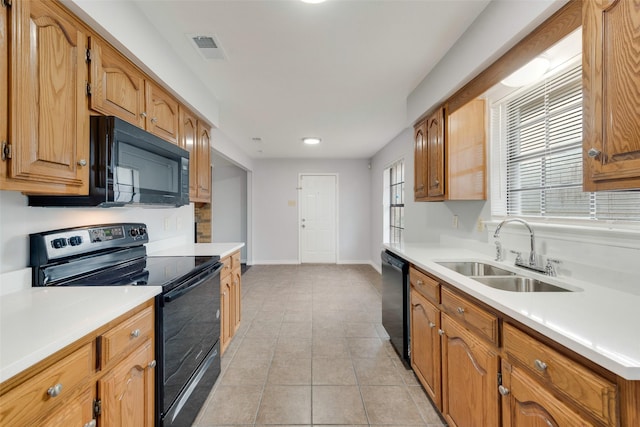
47	150
120	89
162	113
611	79
4	80
203	159
195	137
420	164
429	157
450	154
117	87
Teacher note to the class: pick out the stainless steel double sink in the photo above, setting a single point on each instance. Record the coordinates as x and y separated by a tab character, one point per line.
499	278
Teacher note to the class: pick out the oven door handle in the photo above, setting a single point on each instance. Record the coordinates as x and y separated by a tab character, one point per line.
177	293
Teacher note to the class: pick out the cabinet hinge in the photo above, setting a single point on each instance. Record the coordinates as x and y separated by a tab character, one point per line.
88	89
499	378
6	3
97	407
88	55
6	150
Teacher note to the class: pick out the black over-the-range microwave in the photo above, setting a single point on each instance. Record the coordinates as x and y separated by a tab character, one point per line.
129	166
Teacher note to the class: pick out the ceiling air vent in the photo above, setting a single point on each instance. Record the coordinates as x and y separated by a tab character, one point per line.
206	45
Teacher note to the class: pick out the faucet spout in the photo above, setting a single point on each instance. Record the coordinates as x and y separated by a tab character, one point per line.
532	256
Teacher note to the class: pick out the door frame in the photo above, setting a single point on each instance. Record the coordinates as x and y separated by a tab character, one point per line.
336	213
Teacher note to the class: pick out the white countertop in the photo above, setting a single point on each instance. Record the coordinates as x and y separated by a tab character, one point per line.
37	322
596	322
198	249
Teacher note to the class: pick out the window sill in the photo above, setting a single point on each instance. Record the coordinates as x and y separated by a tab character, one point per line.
618	233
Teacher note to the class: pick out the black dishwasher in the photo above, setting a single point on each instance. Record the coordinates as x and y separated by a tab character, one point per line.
395	302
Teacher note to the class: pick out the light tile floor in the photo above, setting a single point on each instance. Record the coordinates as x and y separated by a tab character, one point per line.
311	350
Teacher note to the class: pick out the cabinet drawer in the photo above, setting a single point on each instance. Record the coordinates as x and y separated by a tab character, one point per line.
226	269
586	388
427	286
33	398
235	260
471	315
127	335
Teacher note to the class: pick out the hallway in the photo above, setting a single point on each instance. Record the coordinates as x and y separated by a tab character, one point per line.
311	350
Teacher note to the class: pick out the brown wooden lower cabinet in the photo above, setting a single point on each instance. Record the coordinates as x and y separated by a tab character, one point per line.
66	388
230	298
481	368
425	345
525	403
470	369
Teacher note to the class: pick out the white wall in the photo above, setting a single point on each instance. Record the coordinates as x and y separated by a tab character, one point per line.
17	220
424	221
498	28
229	203
275	223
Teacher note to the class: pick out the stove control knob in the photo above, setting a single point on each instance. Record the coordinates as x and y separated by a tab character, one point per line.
59	243
133	232
75	240
142	231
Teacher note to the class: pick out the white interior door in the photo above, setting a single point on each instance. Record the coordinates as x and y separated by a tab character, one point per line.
318	218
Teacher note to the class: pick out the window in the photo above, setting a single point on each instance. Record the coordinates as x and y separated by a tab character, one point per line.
538	144
393	196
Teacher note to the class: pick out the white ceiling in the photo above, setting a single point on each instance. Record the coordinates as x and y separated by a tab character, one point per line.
341	70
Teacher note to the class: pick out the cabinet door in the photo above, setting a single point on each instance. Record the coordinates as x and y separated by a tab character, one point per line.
225	311
469	378
162	113
425	345
4	82
76	412
466	152
188	137
127	391
435	155
117	87
611	91
525	403
236	278
420	162
49	117
203	157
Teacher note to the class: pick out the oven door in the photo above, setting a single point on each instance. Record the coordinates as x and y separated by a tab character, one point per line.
189	330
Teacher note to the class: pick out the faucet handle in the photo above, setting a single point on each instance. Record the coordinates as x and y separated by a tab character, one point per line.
550	269
518	256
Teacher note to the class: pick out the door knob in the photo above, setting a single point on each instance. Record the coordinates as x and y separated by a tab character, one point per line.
593	153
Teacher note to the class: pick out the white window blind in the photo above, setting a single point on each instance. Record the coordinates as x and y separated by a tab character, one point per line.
394	203
539	156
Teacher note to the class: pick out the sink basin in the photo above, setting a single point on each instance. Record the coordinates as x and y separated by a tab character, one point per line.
474	268
519	284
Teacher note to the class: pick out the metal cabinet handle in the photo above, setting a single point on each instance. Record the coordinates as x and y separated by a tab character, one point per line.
82	162
441	332
593	153
152	364
135	333
420	282
154	120
460	310
503	390
91	423
55	390
437	182
540	365
143	114
432	325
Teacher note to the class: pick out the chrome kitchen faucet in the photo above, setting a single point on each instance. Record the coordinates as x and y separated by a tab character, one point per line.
533	258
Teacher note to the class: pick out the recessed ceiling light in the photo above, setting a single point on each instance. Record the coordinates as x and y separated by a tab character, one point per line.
529	73
311	140
313	1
